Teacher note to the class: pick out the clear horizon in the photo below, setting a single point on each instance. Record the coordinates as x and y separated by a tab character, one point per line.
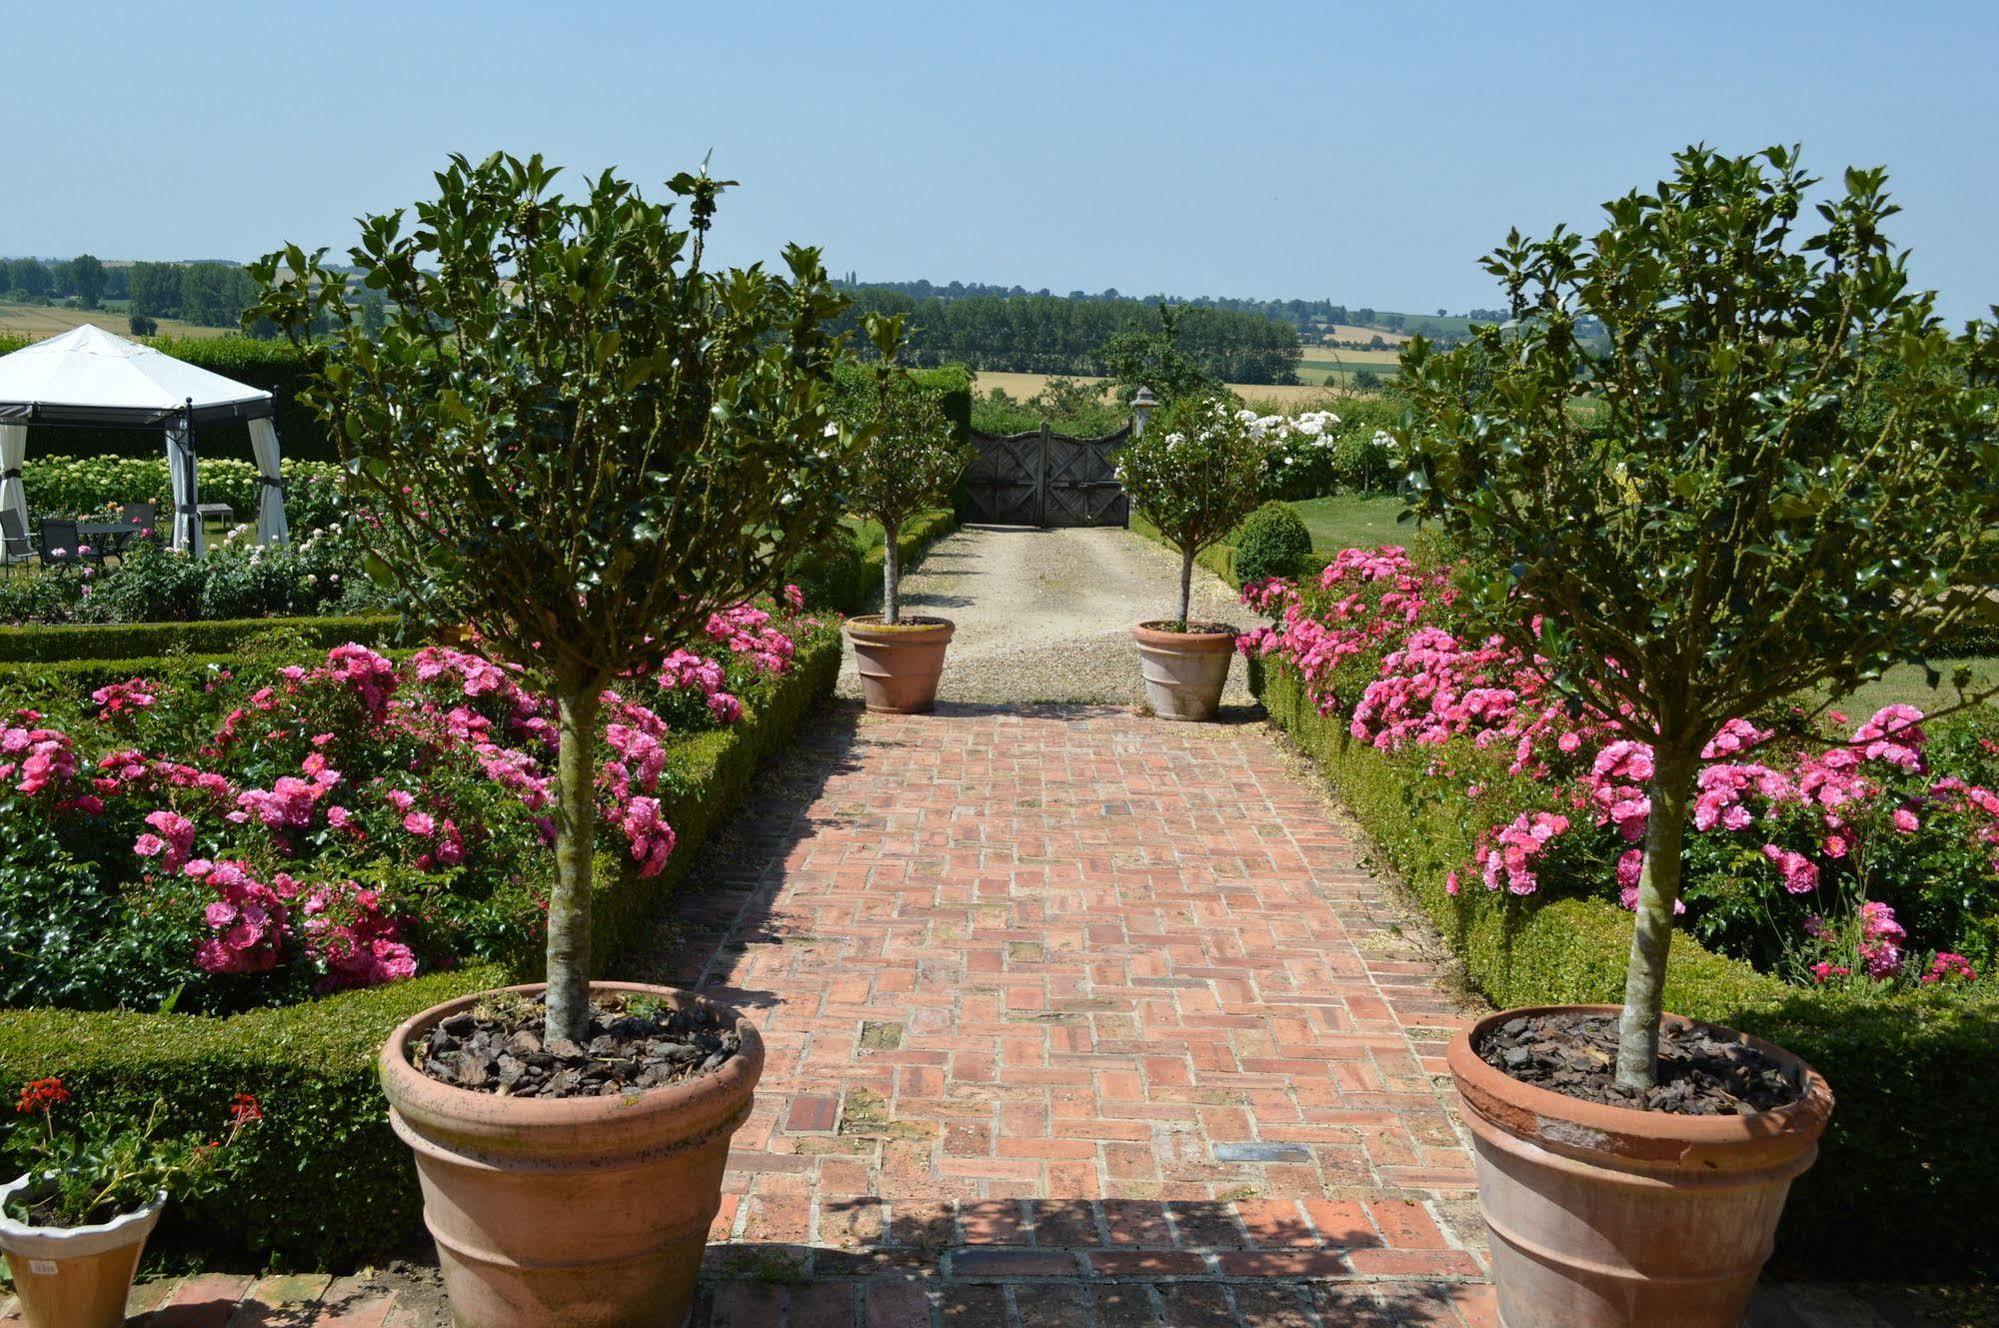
1366	157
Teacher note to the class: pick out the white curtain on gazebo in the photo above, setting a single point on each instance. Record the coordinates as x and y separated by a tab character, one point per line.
272	527
13	451
187	532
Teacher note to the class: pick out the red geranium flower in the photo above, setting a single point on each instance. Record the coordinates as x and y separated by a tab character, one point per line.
42	1095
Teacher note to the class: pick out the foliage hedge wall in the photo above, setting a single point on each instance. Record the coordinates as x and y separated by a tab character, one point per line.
59	483
1910	1155
327	1184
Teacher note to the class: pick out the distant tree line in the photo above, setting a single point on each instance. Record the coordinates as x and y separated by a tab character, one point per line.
1048	334
83	279
205	294
1303	315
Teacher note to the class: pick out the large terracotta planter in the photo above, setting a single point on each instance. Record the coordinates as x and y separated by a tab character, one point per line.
1184	671
74	1277
1610	1217
590	1212
900	665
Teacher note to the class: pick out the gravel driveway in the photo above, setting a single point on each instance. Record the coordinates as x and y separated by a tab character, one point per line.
1046	615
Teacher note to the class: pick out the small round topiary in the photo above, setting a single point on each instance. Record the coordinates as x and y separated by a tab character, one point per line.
1272	541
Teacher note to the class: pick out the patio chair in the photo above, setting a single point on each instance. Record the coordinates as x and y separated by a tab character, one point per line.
144	515
14	540
63	537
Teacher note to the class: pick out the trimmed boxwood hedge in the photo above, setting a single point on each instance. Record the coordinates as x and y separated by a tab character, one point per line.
327	1184
138	641
1911	1157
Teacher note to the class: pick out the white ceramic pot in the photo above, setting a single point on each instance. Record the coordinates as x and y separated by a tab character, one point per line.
74	1277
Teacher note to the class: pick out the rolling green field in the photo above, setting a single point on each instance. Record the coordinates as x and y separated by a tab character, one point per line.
1331	357
1320	365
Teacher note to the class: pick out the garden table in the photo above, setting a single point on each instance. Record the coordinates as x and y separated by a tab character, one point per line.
109	536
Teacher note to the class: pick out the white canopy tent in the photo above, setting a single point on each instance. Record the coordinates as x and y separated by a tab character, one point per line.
88	377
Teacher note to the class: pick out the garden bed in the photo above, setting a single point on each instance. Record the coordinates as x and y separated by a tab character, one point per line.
328	1183
1909	1155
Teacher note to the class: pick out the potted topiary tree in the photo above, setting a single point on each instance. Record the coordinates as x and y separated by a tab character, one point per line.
905	462
1775	475
581	441
75	1221
1194	472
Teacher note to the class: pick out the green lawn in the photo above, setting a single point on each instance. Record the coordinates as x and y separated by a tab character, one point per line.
1348	521
1906	684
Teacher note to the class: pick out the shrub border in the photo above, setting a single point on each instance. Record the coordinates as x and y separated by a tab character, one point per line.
1910	1155
326	1182
34	643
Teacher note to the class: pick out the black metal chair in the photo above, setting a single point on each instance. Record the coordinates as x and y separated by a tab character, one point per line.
14	540
146	515
61	541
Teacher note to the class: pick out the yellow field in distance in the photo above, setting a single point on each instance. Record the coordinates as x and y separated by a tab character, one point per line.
1022	386
42	321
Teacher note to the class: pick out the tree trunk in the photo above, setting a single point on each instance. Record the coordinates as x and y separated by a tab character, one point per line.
1652	937
891	574
575	835
1186	585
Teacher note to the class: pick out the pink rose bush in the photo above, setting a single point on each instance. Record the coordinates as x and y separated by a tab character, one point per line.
215	839
1820	849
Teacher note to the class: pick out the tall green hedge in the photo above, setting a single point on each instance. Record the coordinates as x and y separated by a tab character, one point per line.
1911	1157
327	1183
57	483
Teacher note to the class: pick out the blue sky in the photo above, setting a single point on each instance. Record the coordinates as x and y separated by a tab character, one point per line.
1362	154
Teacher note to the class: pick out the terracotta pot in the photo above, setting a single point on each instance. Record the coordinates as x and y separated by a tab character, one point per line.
585	1211
1610	1217
74	1277
900	665
1184	671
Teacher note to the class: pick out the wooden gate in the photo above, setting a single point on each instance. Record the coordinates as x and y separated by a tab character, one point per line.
1046	479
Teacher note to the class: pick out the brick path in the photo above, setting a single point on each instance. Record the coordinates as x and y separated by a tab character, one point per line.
1075	1017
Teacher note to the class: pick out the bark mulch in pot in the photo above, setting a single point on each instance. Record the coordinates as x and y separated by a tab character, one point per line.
501	1047
1700	1074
